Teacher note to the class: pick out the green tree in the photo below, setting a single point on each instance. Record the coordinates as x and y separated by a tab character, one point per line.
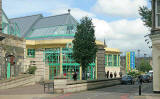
146	16
145	66
84	45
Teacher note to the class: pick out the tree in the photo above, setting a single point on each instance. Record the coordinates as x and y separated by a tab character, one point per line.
146	16
145	66
84	46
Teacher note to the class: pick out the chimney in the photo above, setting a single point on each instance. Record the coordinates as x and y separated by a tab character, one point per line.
69	10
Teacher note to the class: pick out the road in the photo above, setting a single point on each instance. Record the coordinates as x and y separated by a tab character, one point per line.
114	92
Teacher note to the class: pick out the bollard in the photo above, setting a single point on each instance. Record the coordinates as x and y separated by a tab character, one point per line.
140	90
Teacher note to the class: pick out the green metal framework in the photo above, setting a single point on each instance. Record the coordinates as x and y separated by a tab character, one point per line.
54	31
31	53
92	71
11	29
112	60
115	60
69	66
52	58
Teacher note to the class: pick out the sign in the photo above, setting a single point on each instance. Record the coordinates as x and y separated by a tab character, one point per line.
127	61
130	61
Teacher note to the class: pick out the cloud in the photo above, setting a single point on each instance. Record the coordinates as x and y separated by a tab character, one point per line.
18	8
121	8
123	34
76	12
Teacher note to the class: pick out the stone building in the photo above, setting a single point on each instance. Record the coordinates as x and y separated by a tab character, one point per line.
155	36
11	50
112	60
49	46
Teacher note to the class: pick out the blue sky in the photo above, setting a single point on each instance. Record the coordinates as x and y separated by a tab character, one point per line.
116	20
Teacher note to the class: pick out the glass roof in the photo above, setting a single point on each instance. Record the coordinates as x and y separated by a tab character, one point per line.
63	30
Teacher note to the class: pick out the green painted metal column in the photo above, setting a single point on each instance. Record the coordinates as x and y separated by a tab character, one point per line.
117	60
112	60
61	62
8	70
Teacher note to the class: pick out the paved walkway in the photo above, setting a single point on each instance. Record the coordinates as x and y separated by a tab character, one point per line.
27	92
34	89
153	96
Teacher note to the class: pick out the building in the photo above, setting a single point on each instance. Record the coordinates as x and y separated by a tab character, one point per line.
112	60
155	37
48	46
11	50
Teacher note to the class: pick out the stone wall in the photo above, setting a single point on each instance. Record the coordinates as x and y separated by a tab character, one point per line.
42	71
101	62
156	62
11	46
68	86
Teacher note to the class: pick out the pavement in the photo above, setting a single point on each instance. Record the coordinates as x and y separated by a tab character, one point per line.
114	92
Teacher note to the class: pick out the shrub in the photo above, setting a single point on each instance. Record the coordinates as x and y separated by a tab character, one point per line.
32	69
134	74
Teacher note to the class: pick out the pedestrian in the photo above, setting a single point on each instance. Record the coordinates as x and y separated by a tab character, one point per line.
140	79
107	74
120	74
75	76
111	75
115	74
88	75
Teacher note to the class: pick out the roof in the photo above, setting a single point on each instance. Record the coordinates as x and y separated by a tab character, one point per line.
56	20
38	27
25	23
113	50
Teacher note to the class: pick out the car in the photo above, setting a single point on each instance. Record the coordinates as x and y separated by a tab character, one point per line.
127	79
150	75
146	78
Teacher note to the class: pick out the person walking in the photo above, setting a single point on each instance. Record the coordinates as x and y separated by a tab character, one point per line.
115	74
75	76
111	75
120	74
107	74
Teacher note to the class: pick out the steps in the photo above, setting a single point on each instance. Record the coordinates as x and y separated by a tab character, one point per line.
22	80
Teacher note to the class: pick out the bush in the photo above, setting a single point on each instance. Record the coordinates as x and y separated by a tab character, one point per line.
32	69
134	74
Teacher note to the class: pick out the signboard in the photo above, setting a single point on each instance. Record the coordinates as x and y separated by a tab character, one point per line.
127	61
130	61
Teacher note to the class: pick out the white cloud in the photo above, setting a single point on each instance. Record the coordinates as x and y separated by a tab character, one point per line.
18	8
122	34
76	12
122	8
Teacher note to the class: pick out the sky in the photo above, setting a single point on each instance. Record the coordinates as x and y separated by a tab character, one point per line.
116	21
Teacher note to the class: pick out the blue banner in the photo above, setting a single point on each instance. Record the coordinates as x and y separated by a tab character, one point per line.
132	60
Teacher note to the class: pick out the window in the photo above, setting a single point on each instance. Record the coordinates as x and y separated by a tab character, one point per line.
115	60
106	60
31	52
157	13
109	60
118	60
